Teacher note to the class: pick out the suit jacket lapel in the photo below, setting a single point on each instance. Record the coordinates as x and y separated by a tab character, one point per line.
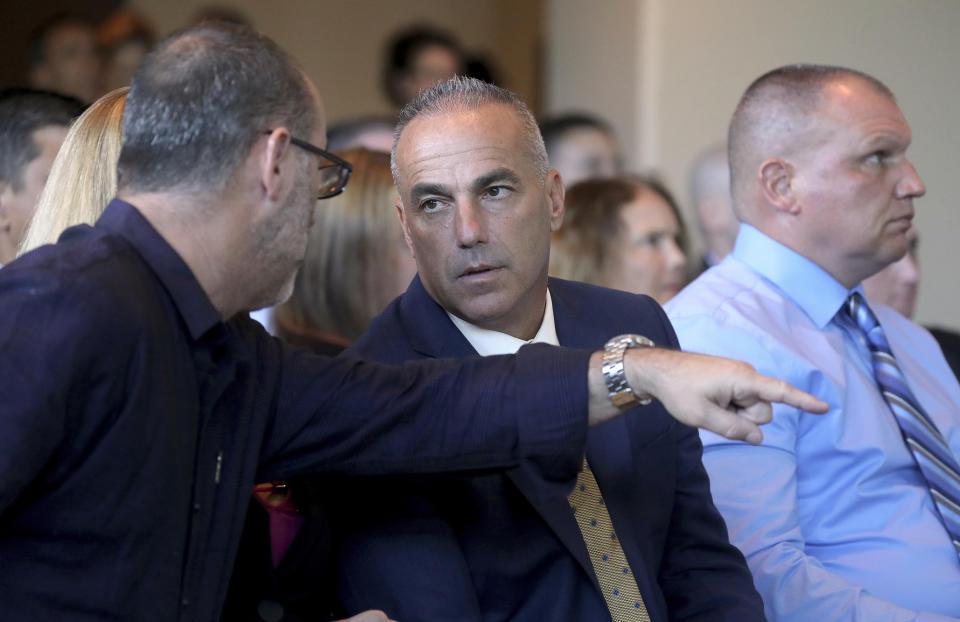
608	445
609	448
428	327
554	509
432	334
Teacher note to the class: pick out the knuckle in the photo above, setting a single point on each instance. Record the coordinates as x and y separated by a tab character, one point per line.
783	387
732	430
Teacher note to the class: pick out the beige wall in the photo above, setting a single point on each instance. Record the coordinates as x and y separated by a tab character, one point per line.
340	42
697	56
594	65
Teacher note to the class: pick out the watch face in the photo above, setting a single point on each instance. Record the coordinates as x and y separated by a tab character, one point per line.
637	340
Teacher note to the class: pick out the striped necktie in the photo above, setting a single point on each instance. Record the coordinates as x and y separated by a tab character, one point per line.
930	450
616	580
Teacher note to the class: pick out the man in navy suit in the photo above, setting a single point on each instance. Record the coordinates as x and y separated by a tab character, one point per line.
478	204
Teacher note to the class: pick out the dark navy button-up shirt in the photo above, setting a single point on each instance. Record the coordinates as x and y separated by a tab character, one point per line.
134	422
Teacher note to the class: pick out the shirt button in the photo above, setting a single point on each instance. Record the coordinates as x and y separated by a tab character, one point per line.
185	603
196	508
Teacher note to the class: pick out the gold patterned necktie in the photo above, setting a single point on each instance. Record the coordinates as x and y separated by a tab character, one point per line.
617	582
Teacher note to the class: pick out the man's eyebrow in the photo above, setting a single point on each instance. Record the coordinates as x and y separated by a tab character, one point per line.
494	176
886	140
425	189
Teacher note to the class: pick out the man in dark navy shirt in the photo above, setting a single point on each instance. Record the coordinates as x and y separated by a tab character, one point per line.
140	404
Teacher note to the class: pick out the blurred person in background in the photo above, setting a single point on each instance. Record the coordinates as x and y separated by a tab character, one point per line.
62	57
623	233
83	177
373	132
356	262
481	67
896	286
123	40
581	146
417	59
33	125
712	205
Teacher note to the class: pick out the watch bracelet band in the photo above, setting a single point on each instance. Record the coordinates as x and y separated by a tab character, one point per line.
619	390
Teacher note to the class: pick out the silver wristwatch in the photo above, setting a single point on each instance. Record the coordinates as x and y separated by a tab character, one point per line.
620	391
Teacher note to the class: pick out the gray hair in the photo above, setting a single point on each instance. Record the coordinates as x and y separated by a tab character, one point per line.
462	93
200	101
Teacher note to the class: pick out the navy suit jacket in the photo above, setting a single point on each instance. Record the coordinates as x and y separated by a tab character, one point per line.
505	546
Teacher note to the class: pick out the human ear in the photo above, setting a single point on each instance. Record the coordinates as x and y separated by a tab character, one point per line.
776	178
403	225
6	223
555	195
275	157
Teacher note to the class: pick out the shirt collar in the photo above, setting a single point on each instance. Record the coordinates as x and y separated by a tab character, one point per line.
489	342
191	301
811	287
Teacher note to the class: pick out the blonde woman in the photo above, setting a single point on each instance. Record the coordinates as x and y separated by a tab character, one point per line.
83	178
356	262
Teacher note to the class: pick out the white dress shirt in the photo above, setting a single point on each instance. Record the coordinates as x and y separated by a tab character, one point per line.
490	342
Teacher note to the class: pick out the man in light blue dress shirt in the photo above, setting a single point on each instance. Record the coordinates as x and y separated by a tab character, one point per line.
834	517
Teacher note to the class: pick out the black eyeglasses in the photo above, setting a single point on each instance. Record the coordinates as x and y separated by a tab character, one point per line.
333	177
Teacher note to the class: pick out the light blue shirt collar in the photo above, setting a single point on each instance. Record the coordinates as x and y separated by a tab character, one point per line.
807	284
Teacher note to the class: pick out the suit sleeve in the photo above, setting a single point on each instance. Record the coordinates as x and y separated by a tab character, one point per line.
354	417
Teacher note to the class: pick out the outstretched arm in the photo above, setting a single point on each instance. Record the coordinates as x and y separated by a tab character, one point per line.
724	396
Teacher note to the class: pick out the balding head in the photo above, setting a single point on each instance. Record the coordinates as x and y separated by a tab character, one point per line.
775	118
819	164
201	100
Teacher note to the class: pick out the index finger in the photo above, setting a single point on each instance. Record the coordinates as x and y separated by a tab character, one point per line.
779	391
